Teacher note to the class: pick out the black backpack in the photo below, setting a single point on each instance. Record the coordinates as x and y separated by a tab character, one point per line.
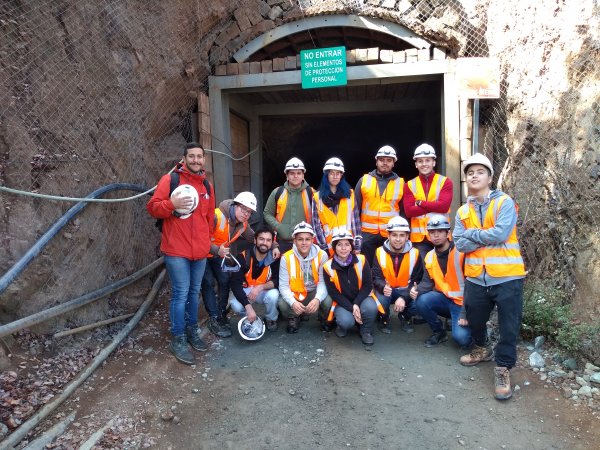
172	186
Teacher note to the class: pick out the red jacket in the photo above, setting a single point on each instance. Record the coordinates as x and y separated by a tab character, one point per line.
441	206
188	238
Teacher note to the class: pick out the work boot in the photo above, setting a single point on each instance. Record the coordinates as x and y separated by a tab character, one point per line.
215	327
193	337
327	326
503	390
292	326
367	338
225	325
271	325
405	324
418	320
384	326
180	349
340	332
436	338
477	355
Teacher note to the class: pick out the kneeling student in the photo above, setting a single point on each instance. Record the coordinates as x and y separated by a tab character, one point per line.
440	293
257	280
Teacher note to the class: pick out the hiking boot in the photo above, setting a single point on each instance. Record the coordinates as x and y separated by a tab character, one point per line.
367	338
477	355
405	324
292	326
503	390
218	329
340	332
436	338
327	326
180	349
271	325
418	320
384	326
193	337
304	317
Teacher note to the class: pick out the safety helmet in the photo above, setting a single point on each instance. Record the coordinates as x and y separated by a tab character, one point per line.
230	264
398	223
424	151
294	164
251	331
186	190
478	158
247	199
333	164
386	151
438	222
340	234
303	227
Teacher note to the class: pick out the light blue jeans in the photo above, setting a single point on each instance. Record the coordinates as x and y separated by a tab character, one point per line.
186	279
268	298
432	304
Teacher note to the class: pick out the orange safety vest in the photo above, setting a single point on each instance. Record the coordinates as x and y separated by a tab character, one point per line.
330	220
501	260
358	268
264	277
221	233
295	273
418	225
407	265
377	209
282	205
452	285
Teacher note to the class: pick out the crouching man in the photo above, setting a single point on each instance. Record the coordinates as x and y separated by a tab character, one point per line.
301	285
440	293
257	280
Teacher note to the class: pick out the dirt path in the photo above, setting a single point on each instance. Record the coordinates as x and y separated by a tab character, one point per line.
316	390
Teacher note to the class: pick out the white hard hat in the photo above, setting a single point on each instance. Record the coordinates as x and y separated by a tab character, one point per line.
247	199
398	223
186	190
251	331
303	227
386	151
424	151
340	234
334	164
438	222
478	158
294	164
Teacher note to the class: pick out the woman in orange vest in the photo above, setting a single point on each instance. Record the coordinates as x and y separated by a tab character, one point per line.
348	280
334	207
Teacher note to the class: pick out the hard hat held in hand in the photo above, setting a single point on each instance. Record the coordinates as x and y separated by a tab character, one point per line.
186	190
247	199
294	164
251	331
398	223
333	164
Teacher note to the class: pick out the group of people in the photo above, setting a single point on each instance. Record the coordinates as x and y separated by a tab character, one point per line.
354	256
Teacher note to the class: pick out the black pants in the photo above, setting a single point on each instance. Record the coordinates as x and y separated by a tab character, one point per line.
370	242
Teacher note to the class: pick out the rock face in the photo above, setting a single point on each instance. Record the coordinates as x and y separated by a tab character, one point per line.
92	94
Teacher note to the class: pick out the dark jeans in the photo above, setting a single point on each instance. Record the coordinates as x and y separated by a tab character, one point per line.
410	309
432	304
370	242
479	303
213	272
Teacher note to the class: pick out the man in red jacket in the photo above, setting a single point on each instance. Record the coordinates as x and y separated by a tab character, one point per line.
185	244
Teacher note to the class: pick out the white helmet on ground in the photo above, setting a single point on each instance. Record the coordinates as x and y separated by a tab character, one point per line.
340	234
294	164
303	227
333	164
386	151
251	331
424	151
186	190
247	199
438	222
398	223
478	158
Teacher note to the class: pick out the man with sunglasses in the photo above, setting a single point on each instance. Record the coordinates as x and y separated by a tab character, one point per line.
378	194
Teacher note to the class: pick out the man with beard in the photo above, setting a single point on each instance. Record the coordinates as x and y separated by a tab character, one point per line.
257	280
440	293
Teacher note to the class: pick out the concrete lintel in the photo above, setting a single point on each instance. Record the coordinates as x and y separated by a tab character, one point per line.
351	21
312	108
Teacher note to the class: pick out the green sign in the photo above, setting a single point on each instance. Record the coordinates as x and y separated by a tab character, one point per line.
322	67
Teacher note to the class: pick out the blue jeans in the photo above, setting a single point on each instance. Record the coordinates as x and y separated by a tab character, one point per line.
186	278
368	312
409	310
268	298
213	272
432	304
479	303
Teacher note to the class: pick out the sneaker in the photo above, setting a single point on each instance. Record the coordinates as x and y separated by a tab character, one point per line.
477	355
367	338
405	324
292	326
193	337
384	326
436	338
340	332
217	329
271	325
503	390
180	349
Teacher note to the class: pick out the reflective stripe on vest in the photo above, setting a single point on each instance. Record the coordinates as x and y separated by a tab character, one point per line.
264	277
221	233
330	220
377	209
502	260
452	285
406	267
418	225
282	205
295	273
